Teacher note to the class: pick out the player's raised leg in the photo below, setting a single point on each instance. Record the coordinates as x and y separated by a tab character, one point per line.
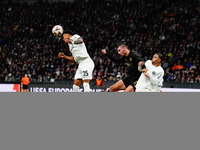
129	89
117	86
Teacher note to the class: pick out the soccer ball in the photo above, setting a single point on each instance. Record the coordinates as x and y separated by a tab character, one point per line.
57	30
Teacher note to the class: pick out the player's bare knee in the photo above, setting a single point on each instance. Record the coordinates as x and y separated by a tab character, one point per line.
111	89
78	82
86	81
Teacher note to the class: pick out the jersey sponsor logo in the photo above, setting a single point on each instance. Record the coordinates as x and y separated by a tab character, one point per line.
154	73
128	64
134	83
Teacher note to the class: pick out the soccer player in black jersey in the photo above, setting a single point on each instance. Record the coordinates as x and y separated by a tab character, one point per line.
131	60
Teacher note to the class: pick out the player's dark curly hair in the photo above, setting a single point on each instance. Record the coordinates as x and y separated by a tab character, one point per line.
160	55
69	32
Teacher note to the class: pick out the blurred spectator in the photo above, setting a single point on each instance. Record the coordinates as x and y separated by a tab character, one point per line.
99	81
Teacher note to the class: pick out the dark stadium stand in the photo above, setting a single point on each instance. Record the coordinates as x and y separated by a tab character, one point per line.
169	27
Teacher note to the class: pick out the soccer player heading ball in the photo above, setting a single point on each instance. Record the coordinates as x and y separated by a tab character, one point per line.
79	55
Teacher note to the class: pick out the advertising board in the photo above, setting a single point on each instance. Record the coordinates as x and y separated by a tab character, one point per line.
9	87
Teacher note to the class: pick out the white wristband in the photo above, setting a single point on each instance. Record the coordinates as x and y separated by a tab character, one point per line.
140	68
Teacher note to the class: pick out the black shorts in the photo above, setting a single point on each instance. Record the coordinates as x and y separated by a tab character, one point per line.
129	80
25	87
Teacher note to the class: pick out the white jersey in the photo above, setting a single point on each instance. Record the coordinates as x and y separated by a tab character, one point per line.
79	51
155	80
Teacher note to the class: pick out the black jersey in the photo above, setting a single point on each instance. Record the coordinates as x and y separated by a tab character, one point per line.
131	62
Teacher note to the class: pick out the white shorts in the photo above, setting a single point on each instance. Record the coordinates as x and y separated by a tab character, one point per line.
85	70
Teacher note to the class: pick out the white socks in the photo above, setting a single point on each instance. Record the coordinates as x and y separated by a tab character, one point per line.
75	88
86	87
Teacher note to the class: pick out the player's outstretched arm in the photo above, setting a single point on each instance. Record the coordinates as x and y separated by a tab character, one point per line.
62	55
117	60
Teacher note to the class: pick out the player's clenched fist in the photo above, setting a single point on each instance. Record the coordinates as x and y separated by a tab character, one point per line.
61	55
140	63
144	70
103	51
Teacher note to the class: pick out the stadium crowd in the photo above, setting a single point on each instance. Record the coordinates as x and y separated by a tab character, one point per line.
27	44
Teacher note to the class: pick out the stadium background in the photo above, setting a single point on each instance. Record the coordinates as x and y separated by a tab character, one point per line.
147	26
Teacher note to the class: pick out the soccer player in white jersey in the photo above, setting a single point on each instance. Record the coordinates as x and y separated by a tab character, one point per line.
80	55
151	79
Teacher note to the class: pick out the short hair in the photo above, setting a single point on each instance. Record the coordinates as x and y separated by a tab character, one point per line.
68	32
160	55
123	45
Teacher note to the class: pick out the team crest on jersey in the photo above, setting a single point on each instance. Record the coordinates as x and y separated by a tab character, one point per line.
154	73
